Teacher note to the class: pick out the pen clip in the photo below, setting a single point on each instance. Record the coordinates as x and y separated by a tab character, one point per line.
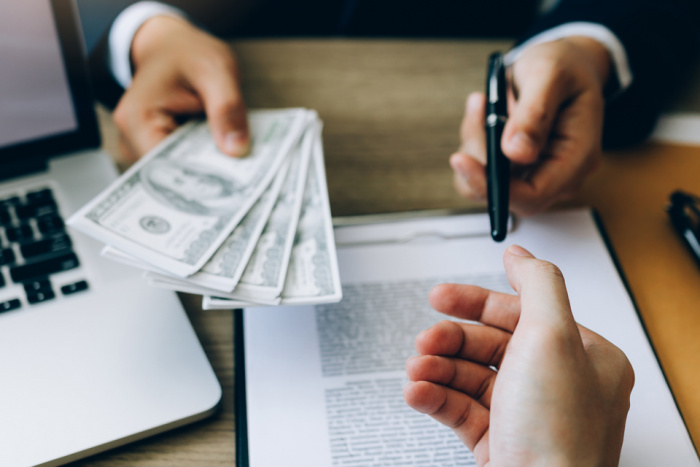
495	62
496	85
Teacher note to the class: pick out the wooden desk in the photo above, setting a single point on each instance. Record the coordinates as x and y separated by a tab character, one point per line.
392	111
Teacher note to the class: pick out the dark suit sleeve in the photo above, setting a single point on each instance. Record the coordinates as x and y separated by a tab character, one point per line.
96	17
662	41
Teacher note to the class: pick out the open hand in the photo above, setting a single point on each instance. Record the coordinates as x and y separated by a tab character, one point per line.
530	386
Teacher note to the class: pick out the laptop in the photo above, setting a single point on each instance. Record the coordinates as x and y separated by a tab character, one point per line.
90	357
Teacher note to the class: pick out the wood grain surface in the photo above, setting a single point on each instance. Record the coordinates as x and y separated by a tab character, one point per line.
630	191
391	112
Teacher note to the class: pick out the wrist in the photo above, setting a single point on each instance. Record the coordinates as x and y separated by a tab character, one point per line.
154	34
600	448
576	458
595	55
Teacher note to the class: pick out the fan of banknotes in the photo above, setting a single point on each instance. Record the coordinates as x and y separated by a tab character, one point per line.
244	232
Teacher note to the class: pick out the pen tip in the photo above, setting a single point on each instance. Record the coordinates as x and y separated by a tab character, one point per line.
498	235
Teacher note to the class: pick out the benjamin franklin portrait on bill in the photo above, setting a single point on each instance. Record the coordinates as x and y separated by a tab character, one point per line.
189	189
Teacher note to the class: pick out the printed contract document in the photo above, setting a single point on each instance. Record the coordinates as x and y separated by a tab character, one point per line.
324	383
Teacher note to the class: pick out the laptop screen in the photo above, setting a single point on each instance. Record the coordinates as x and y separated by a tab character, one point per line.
35	99
46	105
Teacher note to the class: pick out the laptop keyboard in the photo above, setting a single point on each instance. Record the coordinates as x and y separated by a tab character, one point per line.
34	245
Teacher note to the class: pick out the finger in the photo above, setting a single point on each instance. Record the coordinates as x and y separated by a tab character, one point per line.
480	344
571	156
466	417
469	177
127	153
616	374
553	180
476	304
142	130
473	131
544	302
152	132
223	104
512	89
181	102
468	163
602	351
461	375
145	116
541	92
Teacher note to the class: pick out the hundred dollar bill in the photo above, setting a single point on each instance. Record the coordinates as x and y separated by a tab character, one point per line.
162	281
223	271
197	290
119	256
210	302
265	273
313	275
264	277
235	251
177	205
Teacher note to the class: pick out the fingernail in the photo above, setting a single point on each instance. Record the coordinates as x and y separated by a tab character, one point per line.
421	335
518	251
523	143
456	163
473	103
235	142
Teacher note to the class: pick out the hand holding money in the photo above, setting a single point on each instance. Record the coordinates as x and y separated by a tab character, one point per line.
179	71
249	231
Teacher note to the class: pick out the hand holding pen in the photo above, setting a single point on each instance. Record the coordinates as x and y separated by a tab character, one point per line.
554	128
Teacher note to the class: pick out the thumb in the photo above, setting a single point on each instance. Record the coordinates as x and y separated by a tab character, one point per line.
544	302
224	107
533	115
229	124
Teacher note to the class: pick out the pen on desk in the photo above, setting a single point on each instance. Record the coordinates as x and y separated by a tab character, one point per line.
497	164
685	218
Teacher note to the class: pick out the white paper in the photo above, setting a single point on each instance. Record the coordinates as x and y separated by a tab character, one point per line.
324	383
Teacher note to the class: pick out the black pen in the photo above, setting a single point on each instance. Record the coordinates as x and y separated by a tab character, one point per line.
497	164
685	217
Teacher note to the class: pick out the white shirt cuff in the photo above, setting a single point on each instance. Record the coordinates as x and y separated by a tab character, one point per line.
595	31
122	33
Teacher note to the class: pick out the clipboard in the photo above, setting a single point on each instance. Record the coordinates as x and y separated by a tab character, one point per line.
677	444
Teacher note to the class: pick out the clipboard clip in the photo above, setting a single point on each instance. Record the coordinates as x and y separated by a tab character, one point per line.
420	227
